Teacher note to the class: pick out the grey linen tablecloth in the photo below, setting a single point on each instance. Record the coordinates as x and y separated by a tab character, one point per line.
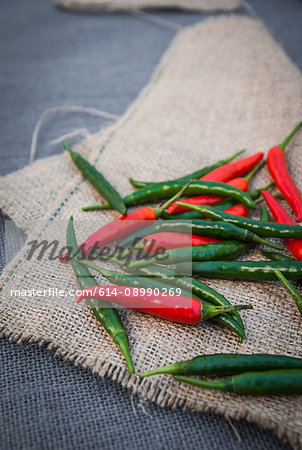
50	58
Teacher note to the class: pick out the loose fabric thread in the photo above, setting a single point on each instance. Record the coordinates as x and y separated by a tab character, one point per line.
72	109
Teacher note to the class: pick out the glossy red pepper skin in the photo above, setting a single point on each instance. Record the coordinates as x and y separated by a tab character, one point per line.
118	229
209	200
234	169
281	216
238	210
174	308
277	166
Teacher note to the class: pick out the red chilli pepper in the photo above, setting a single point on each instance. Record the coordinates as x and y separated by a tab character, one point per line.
281	216
172	307
238	210
234	169
277	166
123	226
240	183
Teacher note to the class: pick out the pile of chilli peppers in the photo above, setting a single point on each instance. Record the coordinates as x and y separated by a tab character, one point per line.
203	224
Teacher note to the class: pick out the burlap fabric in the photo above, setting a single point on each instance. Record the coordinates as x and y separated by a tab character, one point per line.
122	5
221	86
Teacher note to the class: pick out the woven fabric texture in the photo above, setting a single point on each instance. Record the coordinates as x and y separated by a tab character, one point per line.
193	5
223	85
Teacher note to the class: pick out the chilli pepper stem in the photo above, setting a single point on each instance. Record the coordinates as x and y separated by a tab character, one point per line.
294	293
290	136
158	211
194	175
250	175
209	311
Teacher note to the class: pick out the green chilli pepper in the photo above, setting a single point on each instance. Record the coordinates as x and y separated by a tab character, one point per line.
294	293
267	229
189	215
228	364
275	256
201	290
220	229
98	181
191	176
288	381
242	270
264	214
122	279
161	191
210	252
108	317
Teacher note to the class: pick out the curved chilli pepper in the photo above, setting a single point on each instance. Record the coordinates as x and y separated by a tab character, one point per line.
223	230
277	166
201	290
228	364
174	308
191	176
97	180
267	229
281	216
234	169
210	252
175	240
264	214
108	317
121	227
155	192
275	256
165	282
163	191
269	382
239	183
294	293
242	270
